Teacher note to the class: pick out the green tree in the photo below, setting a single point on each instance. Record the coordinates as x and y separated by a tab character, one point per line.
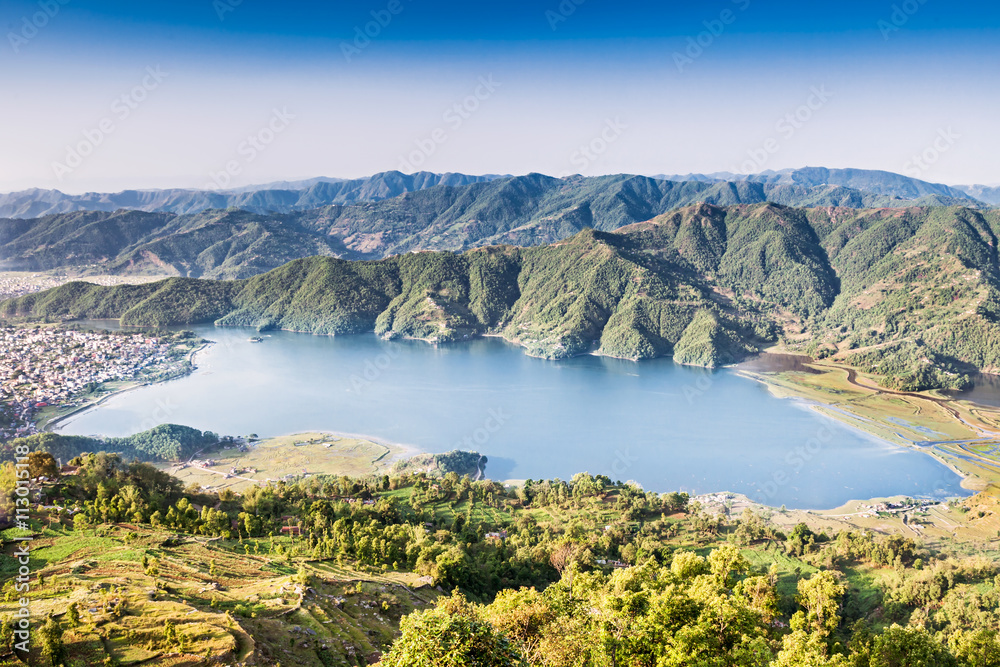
73	614
820	596
450	635
42	464
50	640
909	647
976	649
6	636
803	649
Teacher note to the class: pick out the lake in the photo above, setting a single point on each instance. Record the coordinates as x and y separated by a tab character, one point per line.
666	426
985	390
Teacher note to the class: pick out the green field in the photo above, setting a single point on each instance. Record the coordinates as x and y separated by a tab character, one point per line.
287	457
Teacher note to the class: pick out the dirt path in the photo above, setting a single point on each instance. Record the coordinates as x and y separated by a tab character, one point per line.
852	379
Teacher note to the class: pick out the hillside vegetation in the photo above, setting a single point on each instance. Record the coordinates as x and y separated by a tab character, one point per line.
237	235
166	442
707	284
130	568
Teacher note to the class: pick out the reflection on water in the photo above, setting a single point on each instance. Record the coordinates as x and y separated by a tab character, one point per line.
666	426
778	363
985	390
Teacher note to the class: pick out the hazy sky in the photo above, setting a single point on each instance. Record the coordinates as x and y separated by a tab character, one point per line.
113	95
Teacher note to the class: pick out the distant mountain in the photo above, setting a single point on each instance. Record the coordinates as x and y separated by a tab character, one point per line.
871	181
522	210
984	193
707	284
273	198
302	195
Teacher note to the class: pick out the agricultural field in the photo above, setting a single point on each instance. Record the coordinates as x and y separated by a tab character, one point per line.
144	596
133	567
285	458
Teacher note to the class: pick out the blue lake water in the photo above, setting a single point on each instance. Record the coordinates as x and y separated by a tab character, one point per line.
666	426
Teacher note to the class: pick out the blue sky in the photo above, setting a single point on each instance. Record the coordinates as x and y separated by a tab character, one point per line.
114	95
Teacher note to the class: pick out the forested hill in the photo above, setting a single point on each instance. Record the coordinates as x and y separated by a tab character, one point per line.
706	284
411	215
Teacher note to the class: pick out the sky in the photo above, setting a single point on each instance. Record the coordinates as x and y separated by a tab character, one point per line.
106	96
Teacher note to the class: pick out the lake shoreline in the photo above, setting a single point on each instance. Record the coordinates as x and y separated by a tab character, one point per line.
878	425
50	424
518	460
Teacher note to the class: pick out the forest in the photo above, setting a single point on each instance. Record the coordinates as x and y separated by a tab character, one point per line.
588	571
910	293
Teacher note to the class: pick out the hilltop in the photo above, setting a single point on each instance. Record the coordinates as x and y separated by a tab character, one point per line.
707	284
245	234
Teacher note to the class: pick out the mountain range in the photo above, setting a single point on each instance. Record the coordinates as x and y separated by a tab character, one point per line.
301	195
392	213
706	284
865	180
280	197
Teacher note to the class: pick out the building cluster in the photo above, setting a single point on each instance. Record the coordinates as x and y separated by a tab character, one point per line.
55	367
15	284
869	511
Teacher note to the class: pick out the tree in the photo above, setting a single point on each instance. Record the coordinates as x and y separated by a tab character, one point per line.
42	464
73	614
726	562
909	647
450	635
802	649
800	540
526	616
562	555
976	649
820	596
6	636
50	639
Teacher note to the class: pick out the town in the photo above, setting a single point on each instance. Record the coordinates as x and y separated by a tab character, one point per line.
18	283
50	367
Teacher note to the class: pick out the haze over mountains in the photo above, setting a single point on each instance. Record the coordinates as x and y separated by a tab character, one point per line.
289	196
393	213
704	269
866	180
282	196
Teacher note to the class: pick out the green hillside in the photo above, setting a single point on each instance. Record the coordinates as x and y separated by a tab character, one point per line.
130	568
455	214
708	284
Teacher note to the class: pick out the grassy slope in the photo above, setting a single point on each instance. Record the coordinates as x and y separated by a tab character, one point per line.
242	601
251	608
